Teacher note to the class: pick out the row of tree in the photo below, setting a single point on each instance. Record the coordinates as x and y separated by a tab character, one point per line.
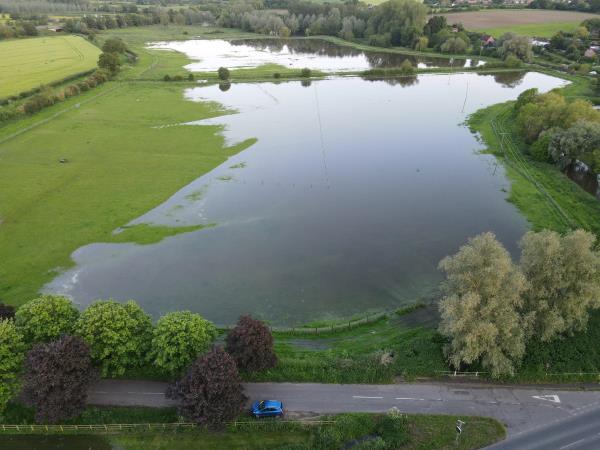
52	353
109	64
559	130
493	307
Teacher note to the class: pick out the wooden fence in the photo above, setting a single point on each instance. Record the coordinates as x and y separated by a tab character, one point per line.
145	427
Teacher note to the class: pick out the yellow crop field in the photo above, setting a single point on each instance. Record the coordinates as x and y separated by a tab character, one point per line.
27	63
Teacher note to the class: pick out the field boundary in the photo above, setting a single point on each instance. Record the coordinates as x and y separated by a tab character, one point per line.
146	427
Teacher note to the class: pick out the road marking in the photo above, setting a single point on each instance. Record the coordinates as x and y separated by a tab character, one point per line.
551	398
99	392
146	393
410	398
361	396
572	443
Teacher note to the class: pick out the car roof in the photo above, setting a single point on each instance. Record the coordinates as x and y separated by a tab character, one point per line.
271	403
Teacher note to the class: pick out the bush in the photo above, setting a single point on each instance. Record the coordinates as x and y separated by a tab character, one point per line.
305	73
167	78
118	335
46	318
223	73
178	338
512	61
190	77
83	86
114	45
177	78
277	75
210	393
57	378
406	68
250	344
539	149
11	356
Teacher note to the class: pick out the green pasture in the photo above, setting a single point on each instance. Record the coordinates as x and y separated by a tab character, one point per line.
28	63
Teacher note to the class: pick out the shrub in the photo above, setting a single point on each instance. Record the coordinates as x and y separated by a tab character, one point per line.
305	73
512	61
276	75
118	335
11	357
539	149
177	78
406	68
167	78
178	338
190	77
210	393
223	73
57	378
114	45
46	318
250	343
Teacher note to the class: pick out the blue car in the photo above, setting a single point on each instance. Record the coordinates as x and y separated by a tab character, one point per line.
267	408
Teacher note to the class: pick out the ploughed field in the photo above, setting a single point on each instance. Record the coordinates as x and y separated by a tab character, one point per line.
529	22
27	63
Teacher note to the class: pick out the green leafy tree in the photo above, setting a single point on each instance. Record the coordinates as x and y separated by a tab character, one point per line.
223	73
46	318
564	280
551	110
481	309
118	334
114	45
513	44
110	62
12	352
402	19
178	339
454	45
575	143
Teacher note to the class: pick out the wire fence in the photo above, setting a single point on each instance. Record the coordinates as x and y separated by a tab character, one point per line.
153	427
456	373
340	326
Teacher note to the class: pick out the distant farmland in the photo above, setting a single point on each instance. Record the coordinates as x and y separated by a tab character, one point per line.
27	63
529	22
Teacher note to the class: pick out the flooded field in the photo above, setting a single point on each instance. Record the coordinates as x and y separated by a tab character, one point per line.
294	53
351	195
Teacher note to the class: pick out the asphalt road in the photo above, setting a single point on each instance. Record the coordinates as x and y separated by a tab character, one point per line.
521	409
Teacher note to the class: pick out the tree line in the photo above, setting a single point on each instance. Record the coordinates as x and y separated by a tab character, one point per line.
52	354
114	51
558	130
493	308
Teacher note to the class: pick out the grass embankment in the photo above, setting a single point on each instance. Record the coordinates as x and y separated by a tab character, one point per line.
27	63
545	196
412	431
121	161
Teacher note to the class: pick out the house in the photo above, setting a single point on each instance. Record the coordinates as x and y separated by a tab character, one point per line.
589	53
487	40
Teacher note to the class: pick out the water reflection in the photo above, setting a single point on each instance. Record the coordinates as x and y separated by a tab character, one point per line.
351	195
296	53
584	177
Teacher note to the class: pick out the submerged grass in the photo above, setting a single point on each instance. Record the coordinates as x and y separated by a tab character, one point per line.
122	162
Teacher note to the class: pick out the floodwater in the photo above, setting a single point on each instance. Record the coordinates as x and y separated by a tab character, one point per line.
585	178
350	197
317	54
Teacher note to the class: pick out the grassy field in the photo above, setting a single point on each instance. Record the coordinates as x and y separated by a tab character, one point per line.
27	63
121	163
528	22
